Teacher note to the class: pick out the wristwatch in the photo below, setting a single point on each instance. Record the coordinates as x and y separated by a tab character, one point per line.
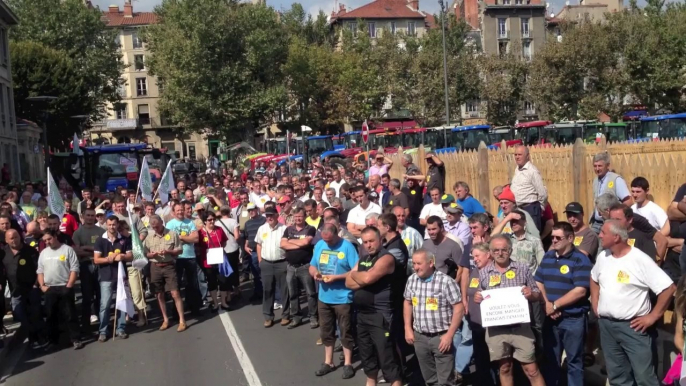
554	307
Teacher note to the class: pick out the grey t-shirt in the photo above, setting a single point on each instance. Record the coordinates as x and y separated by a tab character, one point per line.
587	241
447	250
57	264
86	236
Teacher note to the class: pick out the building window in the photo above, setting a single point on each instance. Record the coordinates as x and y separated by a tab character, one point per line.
191	150
121	112
529	108
502	49
393	28
525	27
526	50
518	2
139	62
411	28
502	28
372	29
143	115
3	46
473	107
10	106
121	90
353	28
3	117
506	2
170	146
137	42
141	86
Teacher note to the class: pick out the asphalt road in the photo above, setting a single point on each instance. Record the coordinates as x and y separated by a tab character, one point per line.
207	353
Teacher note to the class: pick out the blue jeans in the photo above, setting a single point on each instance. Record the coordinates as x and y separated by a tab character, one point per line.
254	267
202	282
108	289
567	333
462	341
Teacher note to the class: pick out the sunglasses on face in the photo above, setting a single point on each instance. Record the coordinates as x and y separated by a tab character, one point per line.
209	220
557	238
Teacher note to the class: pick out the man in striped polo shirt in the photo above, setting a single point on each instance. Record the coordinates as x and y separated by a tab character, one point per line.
564	280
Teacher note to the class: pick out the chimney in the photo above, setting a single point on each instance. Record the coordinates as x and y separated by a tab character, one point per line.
341	9
113	9
414	4
128	9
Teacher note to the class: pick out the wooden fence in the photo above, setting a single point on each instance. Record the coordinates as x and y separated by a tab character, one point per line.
567	170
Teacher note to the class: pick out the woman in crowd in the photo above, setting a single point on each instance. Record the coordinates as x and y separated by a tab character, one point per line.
212	236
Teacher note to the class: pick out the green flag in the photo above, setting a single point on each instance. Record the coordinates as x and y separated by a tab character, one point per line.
55	201
139	260
145	181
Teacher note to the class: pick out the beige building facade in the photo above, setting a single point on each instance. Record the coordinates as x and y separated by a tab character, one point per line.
137	118
9	152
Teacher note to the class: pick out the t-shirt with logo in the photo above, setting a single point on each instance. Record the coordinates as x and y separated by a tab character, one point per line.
106	248
642	242
415	200
57	264
587	240
86	236
183	228
400	200
435	178
69	225
334	260
302	255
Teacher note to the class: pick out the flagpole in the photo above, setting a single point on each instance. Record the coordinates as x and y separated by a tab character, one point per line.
114	325
145	309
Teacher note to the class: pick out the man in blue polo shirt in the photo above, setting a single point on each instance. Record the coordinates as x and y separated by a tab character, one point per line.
564	279
470	204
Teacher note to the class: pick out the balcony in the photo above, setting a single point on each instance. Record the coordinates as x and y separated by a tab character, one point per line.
121	124
503	35
162	122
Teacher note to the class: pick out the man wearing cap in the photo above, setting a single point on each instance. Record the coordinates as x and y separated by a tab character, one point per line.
273	266
435	176
381	165
285	210
585	240
527	186
508	205
434	208
456	227
249	233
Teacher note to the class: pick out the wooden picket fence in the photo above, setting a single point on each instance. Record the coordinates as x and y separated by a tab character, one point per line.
567	170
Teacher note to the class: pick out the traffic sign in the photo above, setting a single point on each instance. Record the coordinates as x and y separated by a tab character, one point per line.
365	132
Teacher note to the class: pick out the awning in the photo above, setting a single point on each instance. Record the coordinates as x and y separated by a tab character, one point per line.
634	115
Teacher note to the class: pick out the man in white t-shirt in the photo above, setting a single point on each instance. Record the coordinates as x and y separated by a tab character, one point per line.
434	208
337	182
358	214
621	280
257	197
655	215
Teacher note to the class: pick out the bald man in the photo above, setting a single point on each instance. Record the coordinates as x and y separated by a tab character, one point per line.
20	262
33	235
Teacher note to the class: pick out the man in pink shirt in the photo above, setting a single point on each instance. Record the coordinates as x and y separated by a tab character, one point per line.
381	165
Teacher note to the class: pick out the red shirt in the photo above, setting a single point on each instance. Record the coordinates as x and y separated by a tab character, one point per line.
215	239
233	201
69	225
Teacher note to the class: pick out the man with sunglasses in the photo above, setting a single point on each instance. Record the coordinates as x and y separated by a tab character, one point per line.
564	280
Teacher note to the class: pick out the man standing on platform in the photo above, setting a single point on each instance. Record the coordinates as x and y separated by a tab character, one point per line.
527	186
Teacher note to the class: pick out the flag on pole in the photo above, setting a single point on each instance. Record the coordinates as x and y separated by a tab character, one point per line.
75	145
55	202
166	184
124	301
145	181
139	259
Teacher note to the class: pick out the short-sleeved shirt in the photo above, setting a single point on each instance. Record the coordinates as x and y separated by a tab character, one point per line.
167	241
228	225
516	275
587	241
106	247
656	216
400	200
435	178
473	286
214	239
250	230
87	236
432	301
561	274
621	190
358	214
19	269
378	170
270	240
69	225
183	228
334	260
302	255
471	205
528	250
56	265
625	284
432	209
642	242
446	250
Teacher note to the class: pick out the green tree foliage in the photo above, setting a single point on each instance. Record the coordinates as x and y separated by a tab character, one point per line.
79	34
503	82
221	62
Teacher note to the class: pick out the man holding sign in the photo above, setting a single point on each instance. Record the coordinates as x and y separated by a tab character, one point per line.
508	337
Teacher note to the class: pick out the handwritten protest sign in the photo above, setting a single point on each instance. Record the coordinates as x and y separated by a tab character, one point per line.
504	306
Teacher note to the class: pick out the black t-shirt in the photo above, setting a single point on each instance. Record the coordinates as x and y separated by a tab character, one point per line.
680	193
436	178
375	297
109	272
20	269
250	231
643	225
415	200
397	247
302	255
642	242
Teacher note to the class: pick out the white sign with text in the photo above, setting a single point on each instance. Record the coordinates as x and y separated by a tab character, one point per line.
504	306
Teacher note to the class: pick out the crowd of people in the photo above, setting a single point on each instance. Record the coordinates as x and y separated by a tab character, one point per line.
387	267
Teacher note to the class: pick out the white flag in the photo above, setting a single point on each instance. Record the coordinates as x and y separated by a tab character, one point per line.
75	145
145	181
55	202
124	302
166	184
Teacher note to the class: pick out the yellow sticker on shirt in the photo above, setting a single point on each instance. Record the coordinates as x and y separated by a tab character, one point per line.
493	280
415	302
428	178
264	236
564	270
622	277
407	241
183	233
22	262
324	259
611	184
510	275
64	220
390	202
205	239
507	230
94	239
33	244
216	208
578	240
262	200
117	251
431	304
474	283
631	242
413	192
341	255
167	237
63	258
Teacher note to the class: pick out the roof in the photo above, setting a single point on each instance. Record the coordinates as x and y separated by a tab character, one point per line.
8	15
663	117
117	19
380	9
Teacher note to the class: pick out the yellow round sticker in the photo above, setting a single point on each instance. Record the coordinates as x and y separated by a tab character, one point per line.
510	275
443	197
22	262
611	184
167	237
33	244
564	270
390	202
264	235
263	200
341	255
413	192
117	251
157	200
183	233
453	205
63	258
64	220
407	241
428	178
216	208
205	239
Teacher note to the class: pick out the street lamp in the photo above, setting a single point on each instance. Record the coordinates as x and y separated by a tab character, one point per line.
44	99
445	74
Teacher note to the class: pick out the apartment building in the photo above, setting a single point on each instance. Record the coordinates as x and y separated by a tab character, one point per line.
8	127
136	118
589	10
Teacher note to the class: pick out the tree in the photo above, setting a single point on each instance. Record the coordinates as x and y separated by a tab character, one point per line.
503	82
221	62
79	34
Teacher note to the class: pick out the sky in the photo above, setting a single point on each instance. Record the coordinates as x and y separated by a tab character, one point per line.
312	6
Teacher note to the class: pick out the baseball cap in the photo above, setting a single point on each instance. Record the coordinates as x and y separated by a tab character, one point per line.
429	154
454	208
447	199
270	211
250	206
379	155
507	195
574	207
284	199
99	211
